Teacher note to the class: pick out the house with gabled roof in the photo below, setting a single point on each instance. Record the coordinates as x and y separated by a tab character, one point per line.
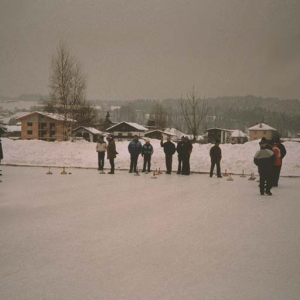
126	130
261	130
158	134
238	137
89	134
221	134
45	126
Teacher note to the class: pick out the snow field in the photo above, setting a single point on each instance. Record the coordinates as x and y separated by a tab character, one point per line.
236	158
92	236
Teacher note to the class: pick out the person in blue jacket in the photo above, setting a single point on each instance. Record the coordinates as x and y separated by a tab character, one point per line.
147	154
135	149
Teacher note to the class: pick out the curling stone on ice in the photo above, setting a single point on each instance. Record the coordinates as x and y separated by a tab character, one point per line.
154	175
229	178
252	177
63	172
243	174
49	172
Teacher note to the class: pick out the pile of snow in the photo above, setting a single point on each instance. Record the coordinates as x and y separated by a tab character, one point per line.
236	158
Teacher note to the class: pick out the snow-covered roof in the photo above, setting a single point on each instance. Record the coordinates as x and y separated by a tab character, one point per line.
19	114
175	132
89	129
113	107
262	126
134	125
13	128
237	134
154	130
216	128
57	117
5	120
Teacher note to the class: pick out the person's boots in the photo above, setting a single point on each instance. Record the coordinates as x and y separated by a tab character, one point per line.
268	192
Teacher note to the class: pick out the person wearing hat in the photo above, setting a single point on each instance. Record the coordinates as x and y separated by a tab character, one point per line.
101	148
264	159
215	156
111	153
147	151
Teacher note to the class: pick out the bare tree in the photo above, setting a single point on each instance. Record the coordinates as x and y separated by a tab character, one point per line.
159	115
67	88
194	111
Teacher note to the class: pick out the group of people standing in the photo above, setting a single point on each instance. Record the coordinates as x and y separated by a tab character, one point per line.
110	148
135	148
268	158
269	161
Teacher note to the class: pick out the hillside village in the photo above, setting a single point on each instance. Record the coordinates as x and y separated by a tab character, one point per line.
32	122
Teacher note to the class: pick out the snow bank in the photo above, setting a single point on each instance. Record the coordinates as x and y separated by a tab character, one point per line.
83	154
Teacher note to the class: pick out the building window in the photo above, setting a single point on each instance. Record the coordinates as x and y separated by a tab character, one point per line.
129	134
265	132
29	132
52	133
52	125
42	133
120	134
29	124
42	125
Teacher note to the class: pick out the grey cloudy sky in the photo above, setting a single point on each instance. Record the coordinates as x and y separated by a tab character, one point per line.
155	48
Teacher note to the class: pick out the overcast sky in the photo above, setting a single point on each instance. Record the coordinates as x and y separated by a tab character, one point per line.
155	48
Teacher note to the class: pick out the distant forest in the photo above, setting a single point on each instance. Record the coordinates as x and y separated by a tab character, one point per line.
224	112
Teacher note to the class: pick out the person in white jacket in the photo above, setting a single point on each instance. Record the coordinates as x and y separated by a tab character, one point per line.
101	148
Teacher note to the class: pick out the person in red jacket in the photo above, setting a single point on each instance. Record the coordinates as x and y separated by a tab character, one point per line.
216	156
277	164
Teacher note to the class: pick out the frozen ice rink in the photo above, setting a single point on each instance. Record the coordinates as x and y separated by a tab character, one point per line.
112	237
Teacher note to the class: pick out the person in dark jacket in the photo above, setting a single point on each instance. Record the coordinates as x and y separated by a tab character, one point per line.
264	159
1	151
186	153
269	143
282	154
215	156
179	151
1	154
147	151
111	153
169	149
135	149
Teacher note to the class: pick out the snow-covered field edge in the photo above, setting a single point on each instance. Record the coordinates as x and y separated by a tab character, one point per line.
82	154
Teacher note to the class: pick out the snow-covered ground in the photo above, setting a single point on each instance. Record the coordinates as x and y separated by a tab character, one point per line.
92	236
236	158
